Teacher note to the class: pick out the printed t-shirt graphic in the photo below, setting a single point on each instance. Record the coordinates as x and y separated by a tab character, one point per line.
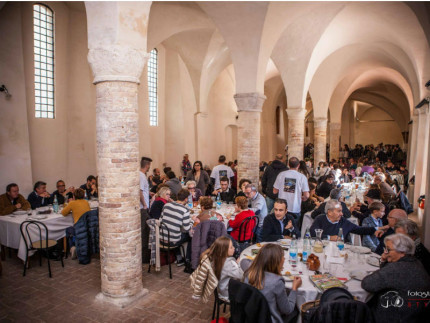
290	185
222	173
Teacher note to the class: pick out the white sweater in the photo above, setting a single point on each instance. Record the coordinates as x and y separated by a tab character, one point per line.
230	270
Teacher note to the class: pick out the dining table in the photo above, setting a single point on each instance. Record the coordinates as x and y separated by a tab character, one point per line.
358	263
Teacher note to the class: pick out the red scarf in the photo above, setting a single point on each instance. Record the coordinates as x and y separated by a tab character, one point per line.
161	199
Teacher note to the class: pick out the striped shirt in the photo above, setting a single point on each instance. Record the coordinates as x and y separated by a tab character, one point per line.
177	218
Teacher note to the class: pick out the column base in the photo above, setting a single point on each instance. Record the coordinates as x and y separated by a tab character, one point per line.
121	302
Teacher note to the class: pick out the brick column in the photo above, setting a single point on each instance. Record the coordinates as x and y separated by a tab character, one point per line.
320	140
249	106
117	71
296	132
334	140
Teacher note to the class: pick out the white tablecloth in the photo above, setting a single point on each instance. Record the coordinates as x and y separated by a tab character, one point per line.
308	292
10	234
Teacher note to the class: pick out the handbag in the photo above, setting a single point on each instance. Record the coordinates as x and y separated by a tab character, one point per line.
308	309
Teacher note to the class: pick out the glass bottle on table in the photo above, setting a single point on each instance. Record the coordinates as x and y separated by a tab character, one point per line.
318	245
340	242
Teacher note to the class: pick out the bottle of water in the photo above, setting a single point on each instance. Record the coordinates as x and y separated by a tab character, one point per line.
218	201
340	242
86	196
306	249
293	251
307	233
55	204
190	202
182	181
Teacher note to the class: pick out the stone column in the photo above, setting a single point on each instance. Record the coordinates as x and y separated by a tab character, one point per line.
249	106
320	140
334	140
296	132
117	70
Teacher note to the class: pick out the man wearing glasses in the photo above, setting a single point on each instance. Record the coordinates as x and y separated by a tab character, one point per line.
393	217
61	193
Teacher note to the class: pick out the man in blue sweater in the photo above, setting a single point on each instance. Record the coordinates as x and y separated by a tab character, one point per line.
332	221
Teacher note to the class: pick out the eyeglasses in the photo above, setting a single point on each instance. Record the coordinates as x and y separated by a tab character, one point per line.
387	250
61	185
191	188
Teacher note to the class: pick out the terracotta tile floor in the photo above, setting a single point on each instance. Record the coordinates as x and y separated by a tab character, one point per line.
69	296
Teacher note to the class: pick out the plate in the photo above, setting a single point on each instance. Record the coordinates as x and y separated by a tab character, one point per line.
358	274
250	257
287	276
254	251
373	261
284	242
40	216
20	212
360	249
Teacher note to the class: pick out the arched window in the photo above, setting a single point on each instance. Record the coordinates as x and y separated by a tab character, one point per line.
153	87
43	34
278	120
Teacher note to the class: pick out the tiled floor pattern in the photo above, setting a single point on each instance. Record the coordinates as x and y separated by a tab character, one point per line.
69	296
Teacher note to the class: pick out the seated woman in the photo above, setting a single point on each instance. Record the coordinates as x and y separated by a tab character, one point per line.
194	191
161	198
207	211
224	264
264	273
242	214
377	211
399	274
242	184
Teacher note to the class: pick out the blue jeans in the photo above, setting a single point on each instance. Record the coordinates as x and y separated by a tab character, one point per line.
270	203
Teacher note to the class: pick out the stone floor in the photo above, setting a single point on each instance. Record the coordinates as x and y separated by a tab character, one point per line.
69	296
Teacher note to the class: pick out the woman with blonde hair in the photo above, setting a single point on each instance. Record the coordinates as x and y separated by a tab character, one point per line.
161	198
264	273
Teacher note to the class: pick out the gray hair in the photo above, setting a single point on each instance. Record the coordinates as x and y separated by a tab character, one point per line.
252	187
191	183
335	194
409	226
401	243
332	204
380	176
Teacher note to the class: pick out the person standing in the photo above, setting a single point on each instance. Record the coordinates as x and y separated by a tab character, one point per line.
185	165
219	171
199	175
269	178
145	164
293	187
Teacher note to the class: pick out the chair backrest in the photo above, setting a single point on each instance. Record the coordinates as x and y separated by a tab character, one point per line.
247	304
26	234
348	311
243	228
164	231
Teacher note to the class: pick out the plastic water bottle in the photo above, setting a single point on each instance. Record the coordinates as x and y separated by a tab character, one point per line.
190	202
306	249
340	242
55	204
293	251
86	196
307	233
182	182
218	201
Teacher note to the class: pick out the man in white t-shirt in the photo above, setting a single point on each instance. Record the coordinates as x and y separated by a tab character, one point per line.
145	164
293	187
219	171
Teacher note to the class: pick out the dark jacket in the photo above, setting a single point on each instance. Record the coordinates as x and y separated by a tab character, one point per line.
380	248
205	234
60	197
247	304
423	255
324	189
37	201
321	210
272	228
269	177
87	236
88	190
321	222
394	281
174	185
156	208
228	196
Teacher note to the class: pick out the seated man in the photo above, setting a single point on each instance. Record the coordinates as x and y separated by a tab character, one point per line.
279	224
227	194
176	216
61	193
387	192
361	211
410	228
90	187
258	205
325	187
335	194
174	184
393	217
12	200
39	197
332	221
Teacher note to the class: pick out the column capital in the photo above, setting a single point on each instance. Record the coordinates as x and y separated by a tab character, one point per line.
320	123
249	101
117	63
335	125
296	113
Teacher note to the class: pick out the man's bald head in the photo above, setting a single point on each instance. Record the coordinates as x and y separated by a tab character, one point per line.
279	157
398	214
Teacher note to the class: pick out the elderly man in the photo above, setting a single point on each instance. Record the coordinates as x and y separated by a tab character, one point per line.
279	224
410	228
400	275
62	193
387	192
12	200
39	197
393	217
258	205
332	221
335	194
226	193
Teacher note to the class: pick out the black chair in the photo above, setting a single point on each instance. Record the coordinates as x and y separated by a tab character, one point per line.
167	248
243	228
39	245
217	303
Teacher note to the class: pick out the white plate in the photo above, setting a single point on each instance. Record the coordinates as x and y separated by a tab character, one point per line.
373	261
40	216
20	212
360	249
284	242
358	274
